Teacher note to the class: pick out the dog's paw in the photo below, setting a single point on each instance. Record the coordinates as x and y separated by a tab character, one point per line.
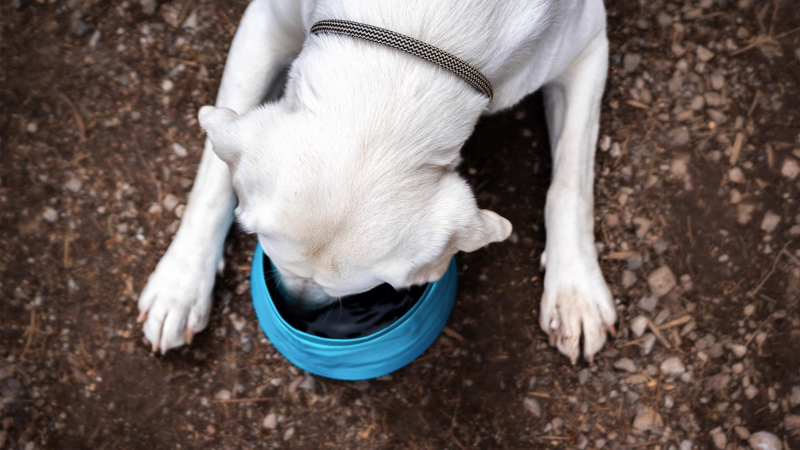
176	302
575	302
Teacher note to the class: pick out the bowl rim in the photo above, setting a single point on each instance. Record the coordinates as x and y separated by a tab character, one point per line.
364	357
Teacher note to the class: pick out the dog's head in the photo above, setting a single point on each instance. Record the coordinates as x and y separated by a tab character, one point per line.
336	212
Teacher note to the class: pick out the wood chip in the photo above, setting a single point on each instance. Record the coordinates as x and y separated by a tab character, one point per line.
737	147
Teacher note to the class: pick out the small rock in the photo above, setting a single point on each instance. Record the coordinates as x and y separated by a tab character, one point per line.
191	21
169	202
634	262
223	394
741	432
639	325
628	279
167	85
770	221
719	438
739	350
764	440
74	183
583	376
79	27
749	309
736	175
790	168
750	392
50	214
307	384
647	419
642	226
625	364
792	424
557	424
532	405
717	81
270	422
179	150
631	61
744	212
95	39
686	445
32	127
794	397
704	54
672	366
648	303
736	196
288	433
648	343
149	6
661	281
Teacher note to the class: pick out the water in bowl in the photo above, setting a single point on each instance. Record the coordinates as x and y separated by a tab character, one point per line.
351	317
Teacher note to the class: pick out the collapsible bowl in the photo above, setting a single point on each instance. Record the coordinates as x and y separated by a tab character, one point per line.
361	358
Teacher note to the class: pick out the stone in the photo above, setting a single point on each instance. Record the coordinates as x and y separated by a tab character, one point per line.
631	61
792	424
169	202
583	376
741	432
719	439
639	325
179	150
661	281
642	226
634	262
149	7
646	419
704	54
270	422
50	214
625	364
750	392
80	28
532	405
648	343
764	440
744	213
648	303
794	397
739	350
223	394
167	85
749	309
770	221
288	433
735	175
672	366
790	168
686	445
73	183
628	279
308	383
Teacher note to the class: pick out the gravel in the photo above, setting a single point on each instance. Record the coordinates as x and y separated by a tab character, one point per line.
770	221
532	405
661	281
672	366
270	422
764	440
625	364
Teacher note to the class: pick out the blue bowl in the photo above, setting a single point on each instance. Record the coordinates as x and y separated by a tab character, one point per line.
365	357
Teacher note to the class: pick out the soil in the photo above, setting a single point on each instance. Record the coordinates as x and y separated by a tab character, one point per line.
699	137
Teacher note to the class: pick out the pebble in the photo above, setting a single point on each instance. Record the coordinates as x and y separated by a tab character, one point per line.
583	376
648	343
631	61
74	183
557	424
736	175
648	303
686	445
790	168
736	196
270	422
704	54
770	221
673	366
742	432
532	405
149	6
179	150
167	85
719	438
223	394
792	424
169	202
32	127
50	214
739	350
79	27
750	392
625	364
642	226
749	309
639	325
794	397
661	281
764	440
288	433
744	212
628	279
308	383
737	368
646	419
669	402
634	262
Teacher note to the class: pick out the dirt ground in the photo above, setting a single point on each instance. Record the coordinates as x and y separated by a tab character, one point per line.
697	171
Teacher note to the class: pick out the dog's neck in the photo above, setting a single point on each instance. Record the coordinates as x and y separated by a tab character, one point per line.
385	98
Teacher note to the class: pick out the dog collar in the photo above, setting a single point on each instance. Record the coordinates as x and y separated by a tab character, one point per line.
409	45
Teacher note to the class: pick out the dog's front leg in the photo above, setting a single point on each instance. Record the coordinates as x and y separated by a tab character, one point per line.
176	302
576	299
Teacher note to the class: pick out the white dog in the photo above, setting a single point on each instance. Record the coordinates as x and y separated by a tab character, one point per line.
349	180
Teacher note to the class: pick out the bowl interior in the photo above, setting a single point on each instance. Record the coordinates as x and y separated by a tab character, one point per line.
350	317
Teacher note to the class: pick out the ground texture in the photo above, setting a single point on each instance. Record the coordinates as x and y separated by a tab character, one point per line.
697	179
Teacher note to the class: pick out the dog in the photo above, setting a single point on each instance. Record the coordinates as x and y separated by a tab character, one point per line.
349	179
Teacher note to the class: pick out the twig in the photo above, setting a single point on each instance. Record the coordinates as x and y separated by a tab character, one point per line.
675	323
746	344
455	439
31	331
551	437
245	400
657	333
76	115
791	257
755	290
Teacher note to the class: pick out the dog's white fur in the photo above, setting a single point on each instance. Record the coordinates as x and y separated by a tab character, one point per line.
349	179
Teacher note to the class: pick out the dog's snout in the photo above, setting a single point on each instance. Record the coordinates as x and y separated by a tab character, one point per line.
306	293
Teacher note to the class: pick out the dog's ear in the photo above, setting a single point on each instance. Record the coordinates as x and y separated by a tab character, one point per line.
220	125
472	227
